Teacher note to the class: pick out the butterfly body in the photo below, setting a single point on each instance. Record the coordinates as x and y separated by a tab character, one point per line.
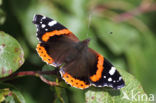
82	66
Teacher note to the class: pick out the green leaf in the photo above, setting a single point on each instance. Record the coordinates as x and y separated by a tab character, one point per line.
120	39
2	16
129	94
141	60
8	94
61	95
49	68
76	95
0	2
18	96
3	93
11	55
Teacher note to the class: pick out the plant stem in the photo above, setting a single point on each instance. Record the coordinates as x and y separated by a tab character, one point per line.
33	73
143	8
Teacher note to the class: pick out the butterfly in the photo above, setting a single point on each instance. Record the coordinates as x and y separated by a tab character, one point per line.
80	66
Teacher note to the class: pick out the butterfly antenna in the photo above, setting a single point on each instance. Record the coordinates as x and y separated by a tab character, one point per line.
89	22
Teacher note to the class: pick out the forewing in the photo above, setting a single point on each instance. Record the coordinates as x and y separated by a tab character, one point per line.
56	41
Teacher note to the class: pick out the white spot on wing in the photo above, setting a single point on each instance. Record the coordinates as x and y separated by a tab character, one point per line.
46	29
43	25
120	78
52	23
44	17
105	85
112	71
110	86
109	79
104	76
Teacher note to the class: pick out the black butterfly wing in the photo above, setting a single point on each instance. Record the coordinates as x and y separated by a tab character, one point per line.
56	41
105	74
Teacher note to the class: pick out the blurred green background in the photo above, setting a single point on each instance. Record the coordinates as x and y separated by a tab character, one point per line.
124	31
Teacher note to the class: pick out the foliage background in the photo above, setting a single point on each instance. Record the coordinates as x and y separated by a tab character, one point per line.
123	31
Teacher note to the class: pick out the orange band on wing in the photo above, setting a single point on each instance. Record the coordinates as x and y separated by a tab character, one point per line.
99	71
43	54
75	82
47	35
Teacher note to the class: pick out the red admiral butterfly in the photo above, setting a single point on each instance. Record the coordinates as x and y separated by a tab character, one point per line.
80	66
